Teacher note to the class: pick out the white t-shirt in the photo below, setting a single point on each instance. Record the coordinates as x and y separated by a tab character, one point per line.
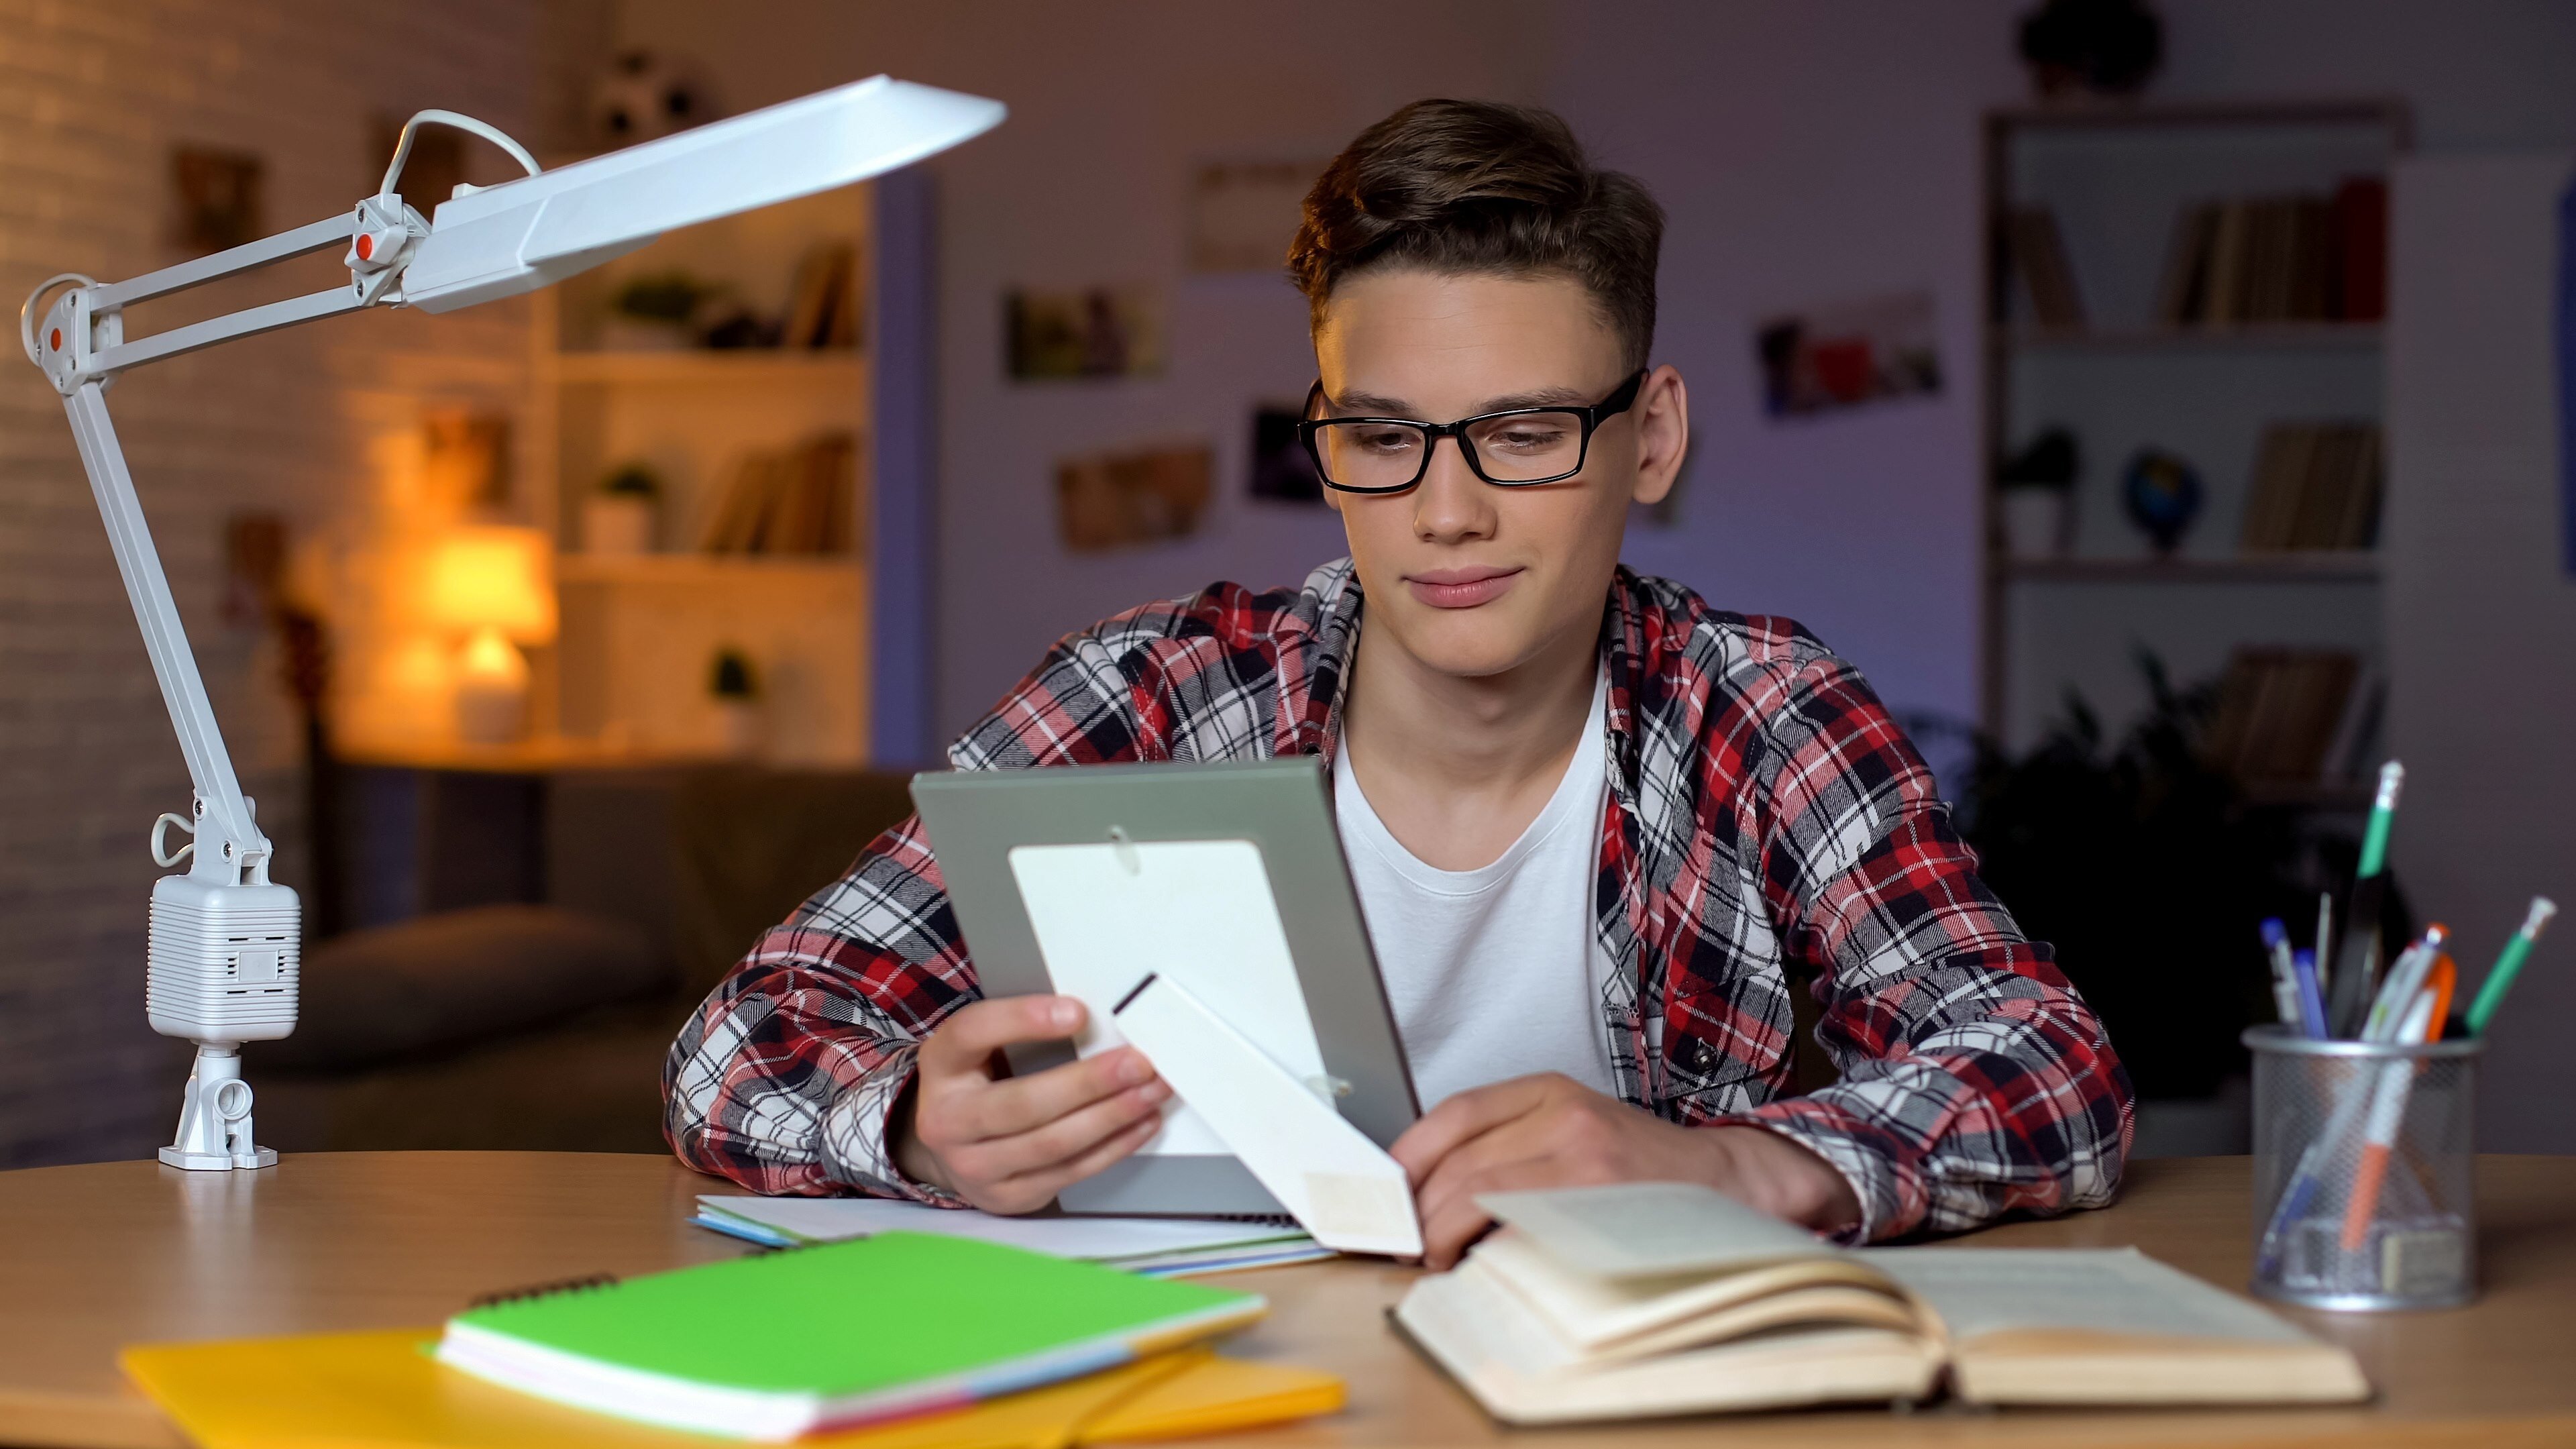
1496	972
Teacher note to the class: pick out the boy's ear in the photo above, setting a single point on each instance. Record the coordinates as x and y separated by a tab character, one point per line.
1663	433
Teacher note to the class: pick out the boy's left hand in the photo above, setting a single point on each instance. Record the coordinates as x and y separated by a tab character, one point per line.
1551	1131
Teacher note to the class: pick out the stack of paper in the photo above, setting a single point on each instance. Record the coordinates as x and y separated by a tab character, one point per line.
1159	1247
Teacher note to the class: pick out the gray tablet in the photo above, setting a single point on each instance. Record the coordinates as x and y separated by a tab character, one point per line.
1228	877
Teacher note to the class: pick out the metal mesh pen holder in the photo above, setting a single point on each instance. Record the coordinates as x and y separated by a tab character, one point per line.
2363	1160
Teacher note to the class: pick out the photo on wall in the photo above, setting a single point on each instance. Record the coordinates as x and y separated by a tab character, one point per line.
1091	332
217	199
1244	213
1281	470
1848	354
1132	496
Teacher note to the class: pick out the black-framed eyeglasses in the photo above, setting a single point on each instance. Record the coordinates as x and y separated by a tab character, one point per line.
1514	448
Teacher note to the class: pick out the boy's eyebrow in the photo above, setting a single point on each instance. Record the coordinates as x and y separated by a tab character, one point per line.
1369	404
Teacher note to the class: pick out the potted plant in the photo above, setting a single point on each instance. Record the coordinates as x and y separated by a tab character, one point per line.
736	690
2148	869
656	313
617	518
2036	488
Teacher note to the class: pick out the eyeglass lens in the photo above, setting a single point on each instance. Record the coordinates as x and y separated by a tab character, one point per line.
1514	448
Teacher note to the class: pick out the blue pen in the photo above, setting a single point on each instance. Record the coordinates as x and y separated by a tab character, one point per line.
2285	978
2312	1003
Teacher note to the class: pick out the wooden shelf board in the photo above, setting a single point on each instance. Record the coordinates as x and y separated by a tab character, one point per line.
2247	337
703	568
2312	566
771	365
538	754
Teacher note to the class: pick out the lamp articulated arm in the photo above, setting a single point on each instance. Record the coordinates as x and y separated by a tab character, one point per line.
225	939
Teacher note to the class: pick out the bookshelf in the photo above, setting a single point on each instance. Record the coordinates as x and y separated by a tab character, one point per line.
2127	374
640	631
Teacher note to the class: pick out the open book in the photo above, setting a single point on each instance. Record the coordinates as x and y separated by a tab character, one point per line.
1665	1298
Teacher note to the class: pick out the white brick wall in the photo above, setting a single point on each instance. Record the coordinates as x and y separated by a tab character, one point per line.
93	95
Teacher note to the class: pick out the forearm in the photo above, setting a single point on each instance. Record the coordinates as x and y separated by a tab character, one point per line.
1970	1088
786	1078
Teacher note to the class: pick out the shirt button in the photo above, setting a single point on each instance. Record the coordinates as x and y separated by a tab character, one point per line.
1700	1057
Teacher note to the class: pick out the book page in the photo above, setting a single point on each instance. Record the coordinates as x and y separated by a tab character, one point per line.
1651	1229
2117	1291
1596	1313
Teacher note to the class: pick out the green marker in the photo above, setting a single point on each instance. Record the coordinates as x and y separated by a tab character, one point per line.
2357	957
2383	815
2509	965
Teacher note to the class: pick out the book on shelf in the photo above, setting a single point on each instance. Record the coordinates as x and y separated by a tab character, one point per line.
823	302
797	500
2293	257
2315	485
2038	252
1649	1299
2280	713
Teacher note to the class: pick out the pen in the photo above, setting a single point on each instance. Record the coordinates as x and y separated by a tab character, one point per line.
2379	1136
2441	981
2325	936
2312	1009
2405	978
2356	963
2509	965
2285	979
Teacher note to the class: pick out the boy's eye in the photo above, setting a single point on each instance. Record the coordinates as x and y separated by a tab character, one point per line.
1386	440
1527	437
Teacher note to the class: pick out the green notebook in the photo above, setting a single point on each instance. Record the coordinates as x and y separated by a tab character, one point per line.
784	1344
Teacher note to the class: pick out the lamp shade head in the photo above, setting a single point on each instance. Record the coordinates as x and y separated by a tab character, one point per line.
496	579
533	232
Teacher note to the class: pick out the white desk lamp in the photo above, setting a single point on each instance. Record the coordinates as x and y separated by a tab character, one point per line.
224	939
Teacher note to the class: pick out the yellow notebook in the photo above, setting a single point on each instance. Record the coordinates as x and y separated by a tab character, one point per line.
382	1390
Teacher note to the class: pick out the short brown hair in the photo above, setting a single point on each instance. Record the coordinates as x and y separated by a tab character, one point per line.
1478	186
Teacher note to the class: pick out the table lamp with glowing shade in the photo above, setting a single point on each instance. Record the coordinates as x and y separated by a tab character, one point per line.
493	588
225	940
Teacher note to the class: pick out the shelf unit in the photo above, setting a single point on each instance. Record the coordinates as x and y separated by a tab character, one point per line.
2115	178
640	634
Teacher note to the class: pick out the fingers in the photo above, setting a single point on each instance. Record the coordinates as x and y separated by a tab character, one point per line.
1039	1188
1466	1116
1454	1225
1022	1104
1024	1172
1479	1164
975	1031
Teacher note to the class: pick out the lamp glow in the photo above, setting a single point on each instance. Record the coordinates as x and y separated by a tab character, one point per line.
225	940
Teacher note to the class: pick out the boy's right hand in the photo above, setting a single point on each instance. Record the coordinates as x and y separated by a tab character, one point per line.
1010	1144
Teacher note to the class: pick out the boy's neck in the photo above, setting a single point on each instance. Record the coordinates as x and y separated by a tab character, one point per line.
1456	767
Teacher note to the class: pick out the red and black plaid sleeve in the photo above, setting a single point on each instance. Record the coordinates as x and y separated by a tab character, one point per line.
1974	1080
785	1076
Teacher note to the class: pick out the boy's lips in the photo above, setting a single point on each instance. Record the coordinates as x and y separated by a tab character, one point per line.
1461	588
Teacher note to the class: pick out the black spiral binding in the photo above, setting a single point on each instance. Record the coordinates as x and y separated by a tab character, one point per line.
581	1284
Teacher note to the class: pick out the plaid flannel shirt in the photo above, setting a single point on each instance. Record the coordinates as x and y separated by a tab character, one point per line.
1763	810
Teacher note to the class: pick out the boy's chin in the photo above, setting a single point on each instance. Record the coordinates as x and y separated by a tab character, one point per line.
1468	643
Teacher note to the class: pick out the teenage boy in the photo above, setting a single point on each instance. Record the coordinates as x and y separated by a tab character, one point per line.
1594	823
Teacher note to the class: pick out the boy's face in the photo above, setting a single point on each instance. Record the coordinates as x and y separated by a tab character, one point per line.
1470	579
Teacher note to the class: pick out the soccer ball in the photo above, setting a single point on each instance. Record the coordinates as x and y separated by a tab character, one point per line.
646	95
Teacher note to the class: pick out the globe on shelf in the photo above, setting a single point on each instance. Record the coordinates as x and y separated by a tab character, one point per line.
2162	495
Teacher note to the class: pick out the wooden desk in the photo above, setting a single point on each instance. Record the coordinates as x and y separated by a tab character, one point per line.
97	1256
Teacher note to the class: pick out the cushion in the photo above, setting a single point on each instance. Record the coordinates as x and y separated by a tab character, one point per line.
460	977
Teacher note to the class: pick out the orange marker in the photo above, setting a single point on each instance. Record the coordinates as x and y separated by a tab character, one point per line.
2379	1137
